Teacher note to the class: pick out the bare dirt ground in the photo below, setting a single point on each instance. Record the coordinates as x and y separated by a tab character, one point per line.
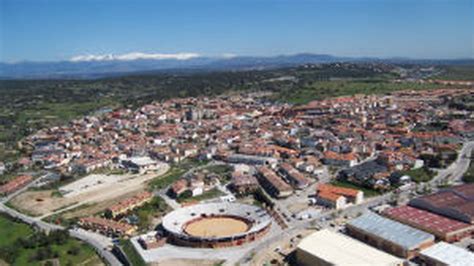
43	203
184	262
284	246
216	227
297	207
96	207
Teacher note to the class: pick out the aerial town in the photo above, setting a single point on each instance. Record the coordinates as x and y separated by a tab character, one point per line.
236	133
239	179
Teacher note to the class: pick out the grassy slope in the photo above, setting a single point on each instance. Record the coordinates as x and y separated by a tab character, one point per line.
86	253
132	254
157	207
11	231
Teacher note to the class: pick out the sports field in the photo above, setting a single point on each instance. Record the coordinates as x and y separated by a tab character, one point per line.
216	227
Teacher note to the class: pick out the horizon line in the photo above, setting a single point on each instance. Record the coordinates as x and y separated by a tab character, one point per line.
184	56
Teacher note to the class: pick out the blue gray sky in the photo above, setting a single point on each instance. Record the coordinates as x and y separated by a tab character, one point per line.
52	30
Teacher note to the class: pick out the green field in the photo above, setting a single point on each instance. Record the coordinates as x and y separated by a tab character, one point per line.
219	169
420	175
325	89
11	231
367	191
176	171
21	245
213	193
223	171
167	179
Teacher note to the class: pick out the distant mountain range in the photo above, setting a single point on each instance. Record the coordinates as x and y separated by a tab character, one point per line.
105	66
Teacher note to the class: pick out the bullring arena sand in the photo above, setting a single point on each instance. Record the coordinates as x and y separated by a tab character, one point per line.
216	227
44	203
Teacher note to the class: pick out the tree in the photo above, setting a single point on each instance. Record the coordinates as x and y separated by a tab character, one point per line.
74	251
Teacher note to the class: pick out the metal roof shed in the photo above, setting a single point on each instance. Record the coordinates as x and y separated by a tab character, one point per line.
397	233
447	254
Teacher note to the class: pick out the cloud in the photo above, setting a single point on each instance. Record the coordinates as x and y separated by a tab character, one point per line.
228	55
133	56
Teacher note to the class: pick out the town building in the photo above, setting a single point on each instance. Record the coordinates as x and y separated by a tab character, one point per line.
295	178
141	164
106	226
15	184
273	184
178	187
363	174
388	235
330	248
445	229
339	159
252	160
129	204
244	183
337	197
152	240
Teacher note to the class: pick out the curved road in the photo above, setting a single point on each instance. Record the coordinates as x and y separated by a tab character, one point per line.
457	169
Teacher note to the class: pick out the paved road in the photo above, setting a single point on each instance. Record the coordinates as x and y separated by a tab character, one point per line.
171	202
29	220
99	242
457	169
300	225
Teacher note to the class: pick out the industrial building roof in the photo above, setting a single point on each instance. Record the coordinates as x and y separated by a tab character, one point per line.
395	232
443	199
426	220
339	249
466	191
456	202
449	254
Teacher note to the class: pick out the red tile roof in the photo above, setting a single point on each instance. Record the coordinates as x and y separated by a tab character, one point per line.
136	200
106	224
426	220
340	156
341	191
15	184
